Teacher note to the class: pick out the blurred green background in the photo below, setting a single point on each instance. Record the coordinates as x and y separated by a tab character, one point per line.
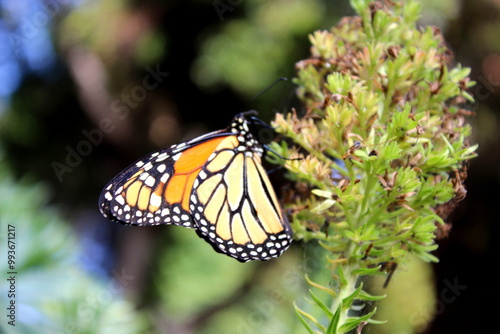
87	87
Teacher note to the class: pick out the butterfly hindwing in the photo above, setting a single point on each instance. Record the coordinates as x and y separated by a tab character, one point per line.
234	205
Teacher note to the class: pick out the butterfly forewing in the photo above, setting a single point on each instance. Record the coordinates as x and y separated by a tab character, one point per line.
137	196
155	190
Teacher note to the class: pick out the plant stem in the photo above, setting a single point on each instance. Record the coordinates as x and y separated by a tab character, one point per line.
348	286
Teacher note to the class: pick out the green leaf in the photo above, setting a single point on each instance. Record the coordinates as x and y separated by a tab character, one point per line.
342	279
322	193
321	304
390	152
300	315
347	301
366	271
376	322
359	5
319	286
469	151
365	296
354	322
334	322
323	206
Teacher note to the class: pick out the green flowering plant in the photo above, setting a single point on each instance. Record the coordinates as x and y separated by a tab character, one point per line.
383	150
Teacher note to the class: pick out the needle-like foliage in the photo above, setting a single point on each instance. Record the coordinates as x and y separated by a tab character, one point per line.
383	149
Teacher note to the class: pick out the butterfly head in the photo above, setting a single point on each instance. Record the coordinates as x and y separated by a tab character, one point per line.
251	130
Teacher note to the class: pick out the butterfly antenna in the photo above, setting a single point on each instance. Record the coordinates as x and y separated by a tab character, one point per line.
267	148
267	88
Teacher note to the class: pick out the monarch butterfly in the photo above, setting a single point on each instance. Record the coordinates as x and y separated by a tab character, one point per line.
214	184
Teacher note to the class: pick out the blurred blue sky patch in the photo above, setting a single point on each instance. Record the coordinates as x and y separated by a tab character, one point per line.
25	43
